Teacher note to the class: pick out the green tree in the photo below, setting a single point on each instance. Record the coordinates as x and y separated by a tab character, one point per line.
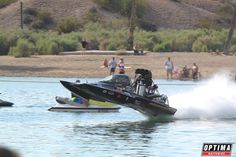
67	25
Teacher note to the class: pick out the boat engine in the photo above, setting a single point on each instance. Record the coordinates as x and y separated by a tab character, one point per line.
143	79
140	89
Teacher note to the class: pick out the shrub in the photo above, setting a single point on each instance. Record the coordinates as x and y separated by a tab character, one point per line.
67	25
36	19
68	44
103	44
93	15
93	45
22	49
232	49
30	11
99	37
53	48
45	18
147	25
47	46
200	46
163	47
42	21
28	19
112	46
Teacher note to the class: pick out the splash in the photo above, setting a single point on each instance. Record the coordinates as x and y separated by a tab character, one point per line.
214	99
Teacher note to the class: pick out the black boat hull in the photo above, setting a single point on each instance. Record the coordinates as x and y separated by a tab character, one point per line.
97	92
5	103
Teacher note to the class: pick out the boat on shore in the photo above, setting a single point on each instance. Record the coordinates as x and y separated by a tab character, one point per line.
69	105
141	95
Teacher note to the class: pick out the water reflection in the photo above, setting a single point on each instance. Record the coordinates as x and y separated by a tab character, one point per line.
128	138
125	130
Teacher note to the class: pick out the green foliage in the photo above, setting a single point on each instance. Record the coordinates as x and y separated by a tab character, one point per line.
22	49
226	11
45	17
67	25
99	37
93	15
4	3
53	44
233	49
42	21
163	47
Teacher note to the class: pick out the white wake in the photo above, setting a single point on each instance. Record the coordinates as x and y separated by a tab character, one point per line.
215	98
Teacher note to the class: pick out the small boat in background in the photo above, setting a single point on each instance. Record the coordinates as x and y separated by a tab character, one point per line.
80	105
5	103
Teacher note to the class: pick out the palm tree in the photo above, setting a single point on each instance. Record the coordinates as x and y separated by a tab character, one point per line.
132	25
227	45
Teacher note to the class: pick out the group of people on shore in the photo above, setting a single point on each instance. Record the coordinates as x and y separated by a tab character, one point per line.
185	73
112	65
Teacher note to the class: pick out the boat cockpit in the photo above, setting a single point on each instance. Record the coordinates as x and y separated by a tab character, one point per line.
117	80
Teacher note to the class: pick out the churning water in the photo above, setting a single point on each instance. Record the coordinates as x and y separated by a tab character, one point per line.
206	113
213	99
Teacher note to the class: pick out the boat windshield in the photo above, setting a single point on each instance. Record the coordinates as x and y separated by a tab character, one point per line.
107	79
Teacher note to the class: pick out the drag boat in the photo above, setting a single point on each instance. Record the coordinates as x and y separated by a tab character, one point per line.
141	95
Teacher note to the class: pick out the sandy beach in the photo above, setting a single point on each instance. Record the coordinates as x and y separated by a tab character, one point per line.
91	65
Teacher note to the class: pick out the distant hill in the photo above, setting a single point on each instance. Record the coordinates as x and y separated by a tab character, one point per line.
179	14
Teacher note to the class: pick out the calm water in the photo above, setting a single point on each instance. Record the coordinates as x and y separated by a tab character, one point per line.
206	113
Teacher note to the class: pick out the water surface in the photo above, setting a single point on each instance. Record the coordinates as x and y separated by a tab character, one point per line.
32	130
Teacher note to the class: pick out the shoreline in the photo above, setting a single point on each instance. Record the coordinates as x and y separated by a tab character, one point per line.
89	66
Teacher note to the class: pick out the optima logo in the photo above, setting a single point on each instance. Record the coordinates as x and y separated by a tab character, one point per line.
217	149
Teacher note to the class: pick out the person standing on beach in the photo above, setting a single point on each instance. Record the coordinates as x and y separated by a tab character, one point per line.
169	68
195	70
84	44
105	63
121	66
112	66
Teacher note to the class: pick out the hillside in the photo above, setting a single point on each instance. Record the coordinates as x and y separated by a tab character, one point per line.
183	14
162	13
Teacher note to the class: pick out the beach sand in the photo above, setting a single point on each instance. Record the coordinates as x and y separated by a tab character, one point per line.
91	65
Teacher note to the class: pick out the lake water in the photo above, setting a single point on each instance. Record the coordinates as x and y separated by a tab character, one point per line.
206	113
